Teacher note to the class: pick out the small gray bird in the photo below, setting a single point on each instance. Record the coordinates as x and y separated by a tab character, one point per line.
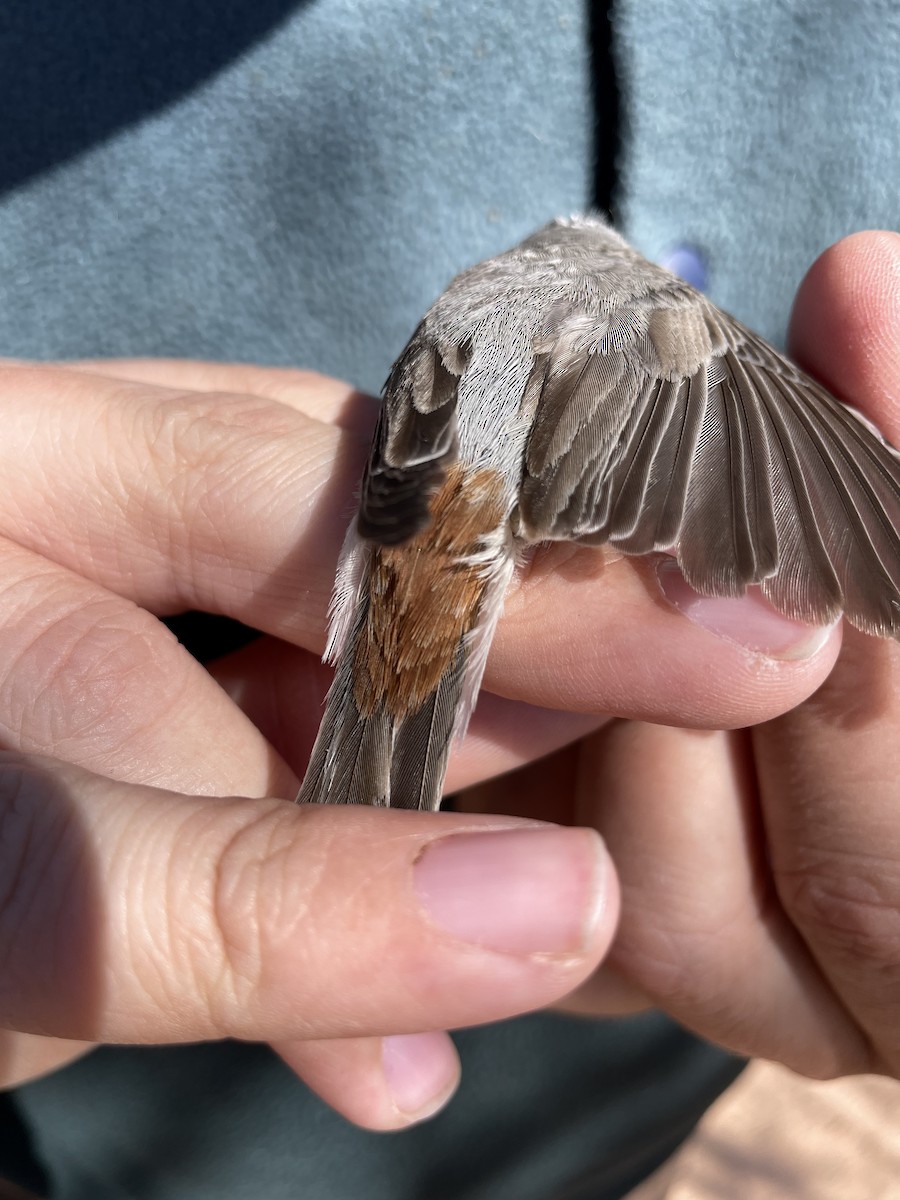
571	390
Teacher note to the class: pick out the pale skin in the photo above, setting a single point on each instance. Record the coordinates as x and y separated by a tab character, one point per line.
751	882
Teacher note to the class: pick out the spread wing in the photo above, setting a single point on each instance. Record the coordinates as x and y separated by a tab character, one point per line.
679	429
415	439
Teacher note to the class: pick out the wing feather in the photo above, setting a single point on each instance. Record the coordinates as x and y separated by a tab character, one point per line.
422	743
668	496
744	466
629	494
415	440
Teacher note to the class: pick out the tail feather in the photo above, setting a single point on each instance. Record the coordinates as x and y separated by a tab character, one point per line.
399	757
422	742
358	765
351	759
376	759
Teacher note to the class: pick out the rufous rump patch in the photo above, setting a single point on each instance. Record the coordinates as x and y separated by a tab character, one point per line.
425	595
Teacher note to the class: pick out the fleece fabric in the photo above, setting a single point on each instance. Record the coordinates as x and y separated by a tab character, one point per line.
283	182
292	182
758	133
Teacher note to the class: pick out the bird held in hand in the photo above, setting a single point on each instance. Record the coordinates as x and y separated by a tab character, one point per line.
571	390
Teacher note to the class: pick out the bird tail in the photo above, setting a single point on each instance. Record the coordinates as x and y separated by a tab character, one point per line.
375	757
376	752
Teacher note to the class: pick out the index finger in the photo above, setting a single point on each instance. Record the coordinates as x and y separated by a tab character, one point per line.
308	392
178	499
829	771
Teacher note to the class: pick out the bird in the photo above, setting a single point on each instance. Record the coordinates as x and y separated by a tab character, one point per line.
570	389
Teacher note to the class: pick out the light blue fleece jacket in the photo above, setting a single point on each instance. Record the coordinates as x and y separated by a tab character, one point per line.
293	182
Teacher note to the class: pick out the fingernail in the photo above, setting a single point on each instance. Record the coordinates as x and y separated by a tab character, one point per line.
421	1071
749	620
523	891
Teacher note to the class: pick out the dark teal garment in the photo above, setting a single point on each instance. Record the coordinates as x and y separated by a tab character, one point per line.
293	182
549	1107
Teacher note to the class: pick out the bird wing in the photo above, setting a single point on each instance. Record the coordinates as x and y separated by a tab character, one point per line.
676	428
415	440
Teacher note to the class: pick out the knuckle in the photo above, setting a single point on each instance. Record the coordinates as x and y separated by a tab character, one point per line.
848	904
212	437
88	674
264	909
679	963
217	459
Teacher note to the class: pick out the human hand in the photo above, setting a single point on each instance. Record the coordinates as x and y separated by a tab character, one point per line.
162	913
132	914
760	871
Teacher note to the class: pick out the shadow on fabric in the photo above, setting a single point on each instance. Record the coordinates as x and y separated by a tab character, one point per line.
75	74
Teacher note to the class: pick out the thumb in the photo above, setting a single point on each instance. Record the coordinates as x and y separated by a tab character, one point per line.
132	914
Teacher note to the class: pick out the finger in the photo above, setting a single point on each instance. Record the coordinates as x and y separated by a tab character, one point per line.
547	790
613	638
158	694
829	780
130	914
308	392
845	321
89	677
606	994
25	1056
379	1083
136	714
829	771
225	503
280	688
237	505
544	790
701	931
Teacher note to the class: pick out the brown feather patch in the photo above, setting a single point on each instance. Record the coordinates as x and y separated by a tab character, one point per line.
424	596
